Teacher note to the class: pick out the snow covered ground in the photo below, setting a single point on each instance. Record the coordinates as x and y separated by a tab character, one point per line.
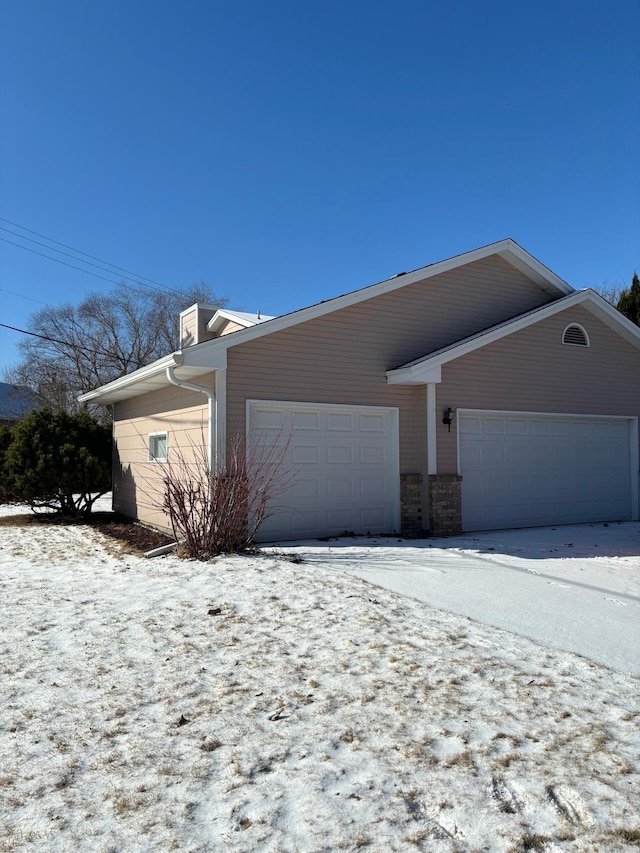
575	587
256	704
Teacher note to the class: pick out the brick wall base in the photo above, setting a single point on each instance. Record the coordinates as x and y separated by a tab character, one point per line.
445	504
411	504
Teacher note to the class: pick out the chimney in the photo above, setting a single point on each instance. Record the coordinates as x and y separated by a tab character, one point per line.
193	324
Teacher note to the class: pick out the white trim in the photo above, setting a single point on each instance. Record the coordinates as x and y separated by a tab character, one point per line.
507	249
395	438
150	371
210	395
423	369
152	377
220	419
635	469
151	457
582	329
240	317
432	426
211	355
634	451
528	414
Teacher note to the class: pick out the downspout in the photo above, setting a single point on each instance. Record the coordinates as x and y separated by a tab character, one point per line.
211	398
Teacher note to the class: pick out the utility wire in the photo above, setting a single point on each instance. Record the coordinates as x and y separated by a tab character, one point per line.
67	255
58	341
22	296
80	252
57	260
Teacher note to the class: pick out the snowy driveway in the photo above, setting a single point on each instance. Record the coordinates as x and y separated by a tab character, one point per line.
574	588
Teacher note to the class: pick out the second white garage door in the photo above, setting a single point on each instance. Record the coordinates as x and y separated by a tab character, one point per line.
522	470
345	464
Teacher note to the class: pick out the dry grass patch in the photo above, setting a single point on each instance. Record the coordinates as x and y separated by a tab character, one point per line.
122	535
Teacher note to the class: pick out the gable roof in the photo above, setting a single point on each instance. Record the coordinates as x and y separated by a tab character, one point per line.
211	355
223	315
427	368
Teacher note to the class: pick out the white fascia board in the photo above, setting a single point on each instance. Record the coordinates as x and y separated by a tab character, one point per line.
413	375
531	267
153	376
223	314
422	370
143	374
508	249
612	317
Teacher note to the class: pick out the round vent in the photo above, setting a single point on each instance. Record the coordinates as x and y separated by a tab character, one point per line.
576	336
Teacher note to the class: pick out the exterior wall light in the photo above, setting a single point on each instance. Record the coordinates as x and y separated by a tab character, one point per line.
447	417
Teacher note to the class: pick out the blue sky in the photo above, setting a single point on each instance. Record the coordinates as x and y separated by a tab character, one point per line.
287	151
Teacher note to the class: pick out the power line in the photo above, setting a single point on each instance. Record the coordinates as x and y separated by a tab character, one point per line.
66	254
22	296
86	254
58	261
58	341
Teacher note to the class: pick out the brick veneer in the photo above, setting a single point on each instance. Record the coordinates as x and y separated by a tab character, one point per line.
445	504
411	504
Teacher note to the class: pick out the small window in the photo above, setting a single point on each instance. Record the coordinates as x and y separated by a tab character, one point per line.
158	447
575	336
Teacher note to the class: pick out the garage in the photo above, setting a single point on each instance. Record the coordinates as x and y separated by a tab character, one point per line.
345	467
527	470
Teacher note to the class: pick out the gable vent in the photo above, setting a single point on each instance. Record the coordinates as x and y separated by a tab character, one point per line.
576	336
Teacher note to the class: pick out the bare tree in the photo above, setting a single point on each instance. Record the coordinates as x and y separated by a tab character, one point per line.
78	348
610	292
220	510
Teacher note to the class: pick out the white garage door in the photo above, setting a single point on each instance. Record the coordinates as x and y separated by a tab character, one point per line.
345	464
523	470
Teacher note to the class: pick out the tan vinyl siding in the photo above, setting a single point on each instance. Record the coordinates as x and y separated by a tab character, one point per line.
229	327
193	324
183	415
533	371
189	327
342	357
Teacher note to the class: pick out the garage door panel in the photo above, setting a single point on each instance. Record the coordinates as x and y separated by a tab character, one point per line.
538	428
372	519
341	487
341	519
342	422
372	455
516	454
339	454
304	488
345	461
494	426
469	426
493	454
375	487
305	421
302	454
371	423
268	419
559	469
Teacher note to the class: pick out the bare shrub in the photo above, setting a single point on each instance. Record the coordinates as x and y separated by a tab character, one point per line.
219	511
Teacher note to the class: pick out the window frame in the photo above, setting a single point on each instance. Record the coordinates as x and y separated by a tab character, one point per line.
151	446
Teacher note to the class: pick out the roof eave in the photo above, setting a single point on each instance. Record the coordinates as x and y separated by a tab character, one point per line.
507	249
421	371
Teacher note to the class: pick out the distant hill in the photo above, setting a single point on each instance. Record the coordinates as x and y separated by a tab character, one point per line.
16	401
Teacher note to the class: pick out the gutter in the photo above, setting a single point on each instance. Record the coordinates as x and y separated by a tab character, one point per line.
211	398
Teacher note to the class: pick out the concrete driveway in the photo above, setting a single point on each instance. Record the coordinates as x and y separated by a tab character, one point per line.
575	588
